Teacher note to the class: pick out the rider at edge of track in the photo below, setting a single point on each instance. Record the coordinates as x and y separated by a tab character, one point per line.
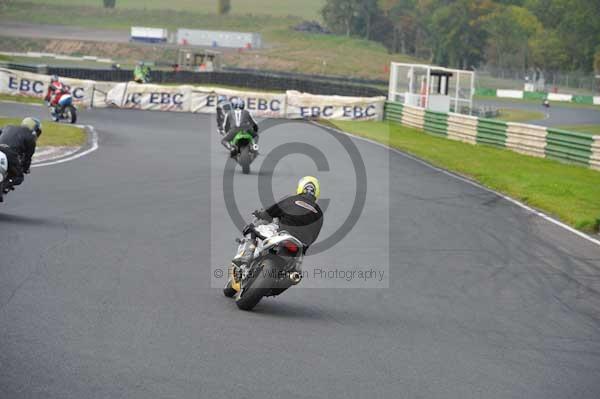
56	89
236	120
18	143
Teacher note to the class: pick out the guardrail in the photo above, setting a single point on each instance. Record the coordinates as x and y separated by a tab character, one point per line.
570	147
537	96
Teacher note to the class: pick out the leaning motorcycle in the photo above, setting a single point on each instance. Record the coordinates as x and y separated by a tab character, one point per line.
244	150
65	110
268	262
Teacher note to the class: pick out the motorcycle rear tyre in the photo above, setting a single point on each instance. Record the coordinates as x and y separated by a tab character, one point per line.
261	286
245	159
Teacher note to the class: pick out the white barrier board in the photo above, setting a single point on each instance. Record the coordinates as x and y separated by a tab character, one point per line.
186	98
19	83
303	105
509	93
560	97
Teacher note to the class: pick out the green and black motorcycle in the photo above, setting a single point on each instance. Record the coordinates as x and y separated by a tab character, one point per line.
244	150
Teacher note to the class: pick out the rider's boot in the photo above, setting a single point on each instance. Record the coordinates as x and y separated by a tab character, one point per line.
55	114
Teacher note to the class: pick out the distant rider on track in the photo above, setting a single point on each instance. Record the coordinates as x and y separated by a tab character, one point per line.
55	91
18	143
236	120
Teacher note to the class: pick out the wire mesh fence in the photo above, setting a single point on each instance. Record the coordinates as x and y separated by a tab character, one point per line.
574	82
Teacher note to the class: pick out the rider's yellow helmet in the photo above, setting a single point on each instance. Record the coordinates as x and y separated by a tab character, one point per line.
309	184
33	124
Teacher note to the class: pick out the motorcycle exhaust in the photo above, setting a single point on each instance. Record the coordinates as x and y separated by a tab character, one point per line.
295	277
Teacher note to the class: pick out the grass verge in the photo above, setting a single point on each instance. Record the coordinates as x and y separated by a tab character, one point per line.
21	99
307	9
519	115
566	191
589	129
54	134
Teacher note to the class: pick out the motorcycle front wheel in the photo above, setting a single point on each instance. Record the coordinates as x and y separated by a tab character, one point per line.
71	114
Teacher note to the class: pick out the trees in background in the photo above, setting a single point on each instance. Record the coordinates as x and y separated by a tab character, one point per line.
223	7
109	3
340	16
510	34
510	29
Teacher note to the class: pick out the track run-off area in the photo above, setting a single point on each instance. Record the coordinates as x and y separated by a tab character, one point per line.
107	279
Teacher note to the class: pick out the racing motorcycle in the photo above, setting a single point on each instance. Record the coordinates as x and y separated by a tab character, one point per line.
64	110
268	262
5	185
244	150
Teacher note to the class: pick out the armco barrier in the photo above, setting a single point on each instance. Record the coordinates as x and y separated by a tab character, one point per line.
491	132
393	111
539	141
413	117
569	146
526	139
595	157
537	96
534	95
482	91
462	128
436	123
587	100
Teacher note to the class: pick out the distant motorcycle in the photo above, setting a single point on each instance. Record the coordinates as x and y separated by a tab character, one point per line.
268	262
546	103
65	110
244	150
141	74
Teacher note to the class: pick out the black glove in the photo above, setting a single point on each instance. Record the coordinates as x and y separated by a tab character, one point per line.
27	171
257	214
248	229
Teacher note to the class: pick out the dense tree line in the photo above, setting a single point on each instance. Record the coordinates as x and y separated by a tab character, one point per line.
551	35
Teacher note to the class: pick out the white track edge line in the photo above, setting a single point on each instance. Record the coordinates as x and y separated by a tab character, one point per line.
473	183
93	148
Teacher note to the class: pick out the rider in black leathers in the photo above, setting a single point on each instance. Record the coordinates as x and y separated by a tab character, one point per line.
236	120
299	214
223	108
18	143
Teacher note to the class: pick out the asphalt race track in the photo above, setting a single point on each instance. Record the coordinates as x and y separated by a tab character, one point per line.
23	29
105	281
556	115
